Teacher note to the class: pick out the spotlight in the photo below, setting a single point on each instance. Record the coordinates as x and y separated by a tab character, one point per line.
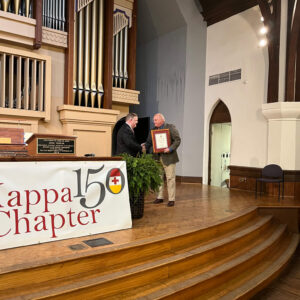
263	30
262	43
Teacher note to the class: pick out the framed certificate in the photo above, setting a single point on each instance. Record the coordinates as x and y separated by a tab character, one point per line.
160	140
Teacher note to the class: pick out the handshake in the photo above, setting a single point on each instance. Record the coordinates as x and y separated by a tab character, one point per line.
143	148
166	150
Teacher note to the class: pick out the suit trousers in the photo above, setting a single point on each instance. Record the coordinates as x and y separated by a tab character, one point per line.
171	181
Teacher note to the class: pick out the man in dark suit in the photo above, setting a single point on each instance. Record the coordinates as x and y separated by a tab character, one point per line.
126	141
168	158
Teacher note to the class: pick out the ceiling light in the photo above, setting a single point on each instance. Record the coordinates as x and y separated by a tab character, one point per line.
262	19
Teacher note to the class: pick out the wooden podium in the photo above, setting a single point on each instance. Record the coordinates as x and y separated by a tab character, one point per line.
51	145
12	142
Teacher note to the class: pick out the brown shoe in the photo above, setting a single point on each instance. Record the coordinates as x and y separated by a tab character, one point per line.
171	203
158	201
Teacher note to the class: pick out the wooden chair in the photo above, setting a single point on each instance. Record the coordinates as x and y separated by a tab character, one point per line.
271	174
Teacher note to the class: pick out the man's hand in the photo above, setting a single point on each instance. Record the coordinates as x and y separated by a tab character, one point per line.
143	147
167	150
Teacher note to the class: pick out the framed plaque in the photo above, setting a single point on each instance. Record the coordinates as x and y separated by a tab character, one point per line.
161	140
55	146
51	144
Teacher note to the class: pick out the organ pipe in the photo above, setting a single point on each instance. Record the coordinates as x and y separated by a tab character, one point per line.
27	8
87	54
100	89
17	6
5	4
3	81
125	56
75	73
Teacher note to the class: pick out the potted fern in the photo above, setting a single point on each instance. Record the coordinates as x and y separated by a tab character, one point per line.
143	174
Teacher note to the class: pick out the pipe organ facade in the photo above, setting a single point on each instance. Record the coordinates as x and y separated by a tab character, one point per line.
120	49
88	55
54	14
24	79
18	7
22	82
66	66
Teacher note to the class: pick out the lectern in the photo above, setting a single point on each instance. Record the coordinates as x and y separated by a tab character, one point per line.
12	142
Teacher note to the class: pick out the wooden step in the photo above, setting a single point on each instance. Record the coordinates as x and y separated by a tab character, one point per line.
239	278
217	253
199	282
102	262
266	273
241	253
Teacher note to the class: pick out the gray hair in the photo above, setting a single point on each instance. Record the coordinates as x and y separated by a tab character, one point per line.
161	115
130	116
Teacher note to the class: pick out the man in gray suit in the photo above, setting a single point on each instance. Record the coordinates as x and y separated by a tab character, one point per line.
168	158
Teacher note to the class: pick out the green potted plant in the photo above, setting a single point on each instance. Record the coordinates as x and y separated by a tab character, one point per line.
143	174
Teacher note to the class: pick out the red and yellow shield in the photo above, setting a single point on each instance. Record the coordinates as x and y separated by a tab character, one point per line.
115	181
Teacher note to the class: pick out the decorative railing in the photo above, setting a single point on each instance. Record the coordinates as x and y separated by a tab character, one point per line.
24	81
54	14
120	49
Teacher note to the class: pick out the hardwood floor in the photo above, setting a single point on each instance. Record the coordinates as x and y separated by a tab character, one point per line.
287	286
197	206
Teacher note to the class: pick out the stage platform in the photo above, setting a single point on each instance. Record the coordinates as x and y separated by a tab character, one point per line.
197	206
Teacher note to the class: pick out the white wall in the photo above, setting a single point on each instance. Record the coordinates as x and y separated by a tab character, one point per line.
233	44
193	114
161	77
171	76
161	48
161	64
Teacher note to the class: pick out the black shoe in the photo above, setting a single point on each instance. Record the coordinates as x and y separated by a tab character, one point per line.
171	203
158	201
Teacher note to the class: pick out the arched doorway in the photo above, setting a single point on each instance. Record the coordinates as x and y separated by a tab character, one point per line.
219	146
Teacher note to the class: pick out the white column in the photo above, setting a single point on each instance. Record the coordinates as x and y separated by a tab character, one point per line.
283	134
282	50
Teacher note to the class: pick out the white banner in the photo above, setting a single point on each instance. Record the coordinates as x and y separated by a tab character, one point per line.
49	201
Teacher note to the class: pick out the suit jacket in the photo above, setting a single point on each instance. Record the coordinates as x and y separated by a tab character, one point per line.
167	158
126	141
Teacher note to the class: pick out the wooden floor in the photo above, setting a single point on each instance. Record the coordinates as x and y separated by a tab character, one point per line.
196	206
287	286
